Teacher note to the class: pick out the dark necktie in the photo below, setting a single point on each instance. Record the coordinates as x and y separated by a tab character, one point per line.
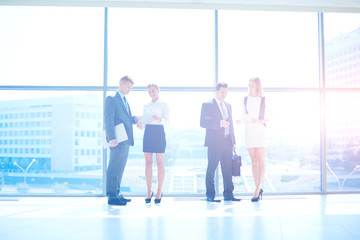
126	105
224	116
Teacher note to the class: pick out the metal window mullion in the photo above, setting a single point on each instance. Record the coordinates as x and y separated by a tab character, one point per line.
216	78
322	86
104	94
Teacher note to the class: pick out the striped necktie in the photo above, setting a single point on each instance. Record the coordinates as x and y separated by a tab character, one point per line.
223	111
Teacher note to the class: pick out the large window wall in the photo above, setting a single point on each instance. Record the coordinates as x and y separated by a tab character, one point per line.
40	46
342	76
55	73
167	46
279	47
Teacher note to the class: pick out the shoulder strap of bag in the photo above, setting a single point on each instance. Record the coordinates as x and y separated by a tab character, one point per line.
262	109
245	102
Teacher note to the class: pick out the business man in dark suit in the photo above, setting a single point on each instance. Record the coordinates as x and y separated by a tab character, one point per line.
216	117
117	111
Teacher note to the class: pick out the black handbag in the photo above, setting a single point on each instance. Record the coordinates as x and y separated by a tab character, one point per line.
236	164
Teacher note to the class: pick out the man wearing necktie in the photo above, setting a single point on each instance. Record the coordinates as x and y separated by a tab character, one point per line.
216	118
117	111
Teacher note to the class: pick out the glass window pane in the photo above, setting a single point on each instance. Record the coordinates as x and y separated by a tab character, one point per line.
50	142
342	49
292	162
279	47
171	47
343	141
51	46
292	157
185	154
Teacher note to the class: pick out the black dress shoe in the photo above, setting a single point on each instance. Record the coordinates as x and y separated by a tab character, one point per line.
124	199
232	199
116	201
210	199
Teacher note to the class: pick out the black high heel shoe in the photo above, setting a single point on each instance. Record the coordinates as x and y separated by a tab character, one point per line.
157	201
148	200
259	197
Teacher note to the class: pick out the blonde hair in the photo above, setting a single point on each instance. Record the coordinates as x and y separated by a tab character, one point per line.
257	82
153	85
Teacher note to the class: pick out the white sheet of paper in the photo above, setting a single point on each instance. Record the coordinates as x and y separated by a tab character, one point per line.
147	118
120	134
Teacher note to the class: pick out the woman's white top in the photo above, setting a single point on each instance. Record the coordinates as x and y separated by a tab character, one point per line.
158	108
255	133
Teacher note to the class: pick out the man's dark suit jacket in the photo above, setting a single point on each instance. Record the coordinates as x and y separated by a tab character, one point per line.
116	113
210	119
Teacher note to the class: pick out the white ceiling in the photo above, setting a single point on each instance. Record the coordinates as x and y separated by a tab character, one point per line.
266	5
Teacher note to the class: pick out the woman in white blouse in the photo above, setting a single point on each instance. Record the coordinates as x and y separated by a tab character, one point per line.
255	132
155	116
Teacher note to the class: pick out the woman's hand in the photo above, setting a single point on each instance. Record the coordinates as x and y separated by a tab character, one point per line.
258	121
157	118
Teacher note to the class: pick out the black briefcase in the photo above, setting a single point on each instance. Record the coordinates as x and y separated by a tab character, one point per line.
236	164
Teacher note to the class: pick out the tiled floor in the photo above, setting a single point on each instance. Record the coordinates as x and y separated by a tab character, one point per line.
302	217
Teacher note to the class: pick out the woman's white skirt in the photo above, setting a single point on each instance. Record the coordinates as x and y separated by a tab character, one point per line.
255	135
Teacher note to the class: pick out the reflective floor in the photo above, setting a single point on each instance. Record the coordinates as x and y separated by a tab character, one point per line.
304	217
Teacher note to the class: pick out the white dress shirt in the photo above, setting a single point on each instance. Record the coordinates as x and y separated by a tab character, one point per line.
122	97
253	109
158	108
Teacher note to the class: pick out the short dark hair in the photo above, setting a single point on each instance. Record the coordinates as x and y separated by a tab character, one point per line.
221	85
127	79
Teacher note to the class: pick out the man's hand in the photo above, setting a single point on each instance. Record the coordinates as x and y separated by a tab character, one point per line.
139	126
224	123
137	118
114	143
